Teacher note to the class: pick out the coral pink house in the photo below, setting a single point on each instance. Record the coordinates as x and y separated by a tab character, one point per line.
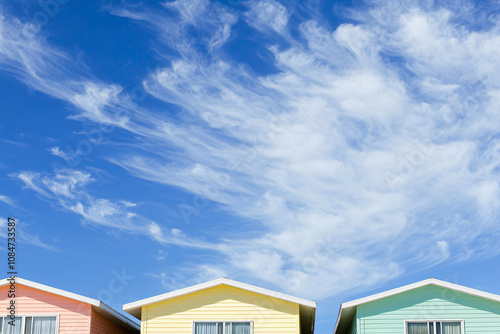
41	309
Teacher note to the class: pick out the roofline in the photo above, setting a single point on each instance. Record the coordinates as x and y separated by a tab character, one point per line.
405	288
70	295
143	302
338	320
50	289
429	281
119	316
313	320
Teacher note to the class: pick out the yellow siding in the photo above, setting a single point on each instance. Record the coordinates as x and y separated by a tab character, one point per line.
225	303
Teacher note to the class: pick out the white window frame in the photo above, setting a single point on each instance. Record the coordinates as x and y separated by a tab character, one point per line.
23	321
461	321
223	324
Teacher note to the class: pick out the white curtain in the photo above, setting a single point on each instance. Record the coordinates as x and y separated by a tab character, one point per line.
205	328
417	328
451	327
216	328
240	328
9	329
44	325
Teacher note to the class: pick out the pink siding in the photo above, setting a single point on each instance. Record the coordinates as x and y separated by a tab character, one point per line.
74	316
101	325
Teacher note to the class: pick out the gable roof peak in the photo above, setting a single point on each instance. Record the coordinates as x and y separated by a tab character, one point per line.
347	309
94	302
134	308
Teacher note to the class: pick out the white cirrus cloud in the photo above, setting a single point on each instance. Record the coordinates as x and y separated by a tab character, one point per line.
354	158
7	200
67	188
23	235
268	14
58	153
370	150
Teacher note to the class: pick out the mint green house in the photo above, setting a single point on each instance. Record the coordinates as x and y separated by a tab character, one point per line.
427	307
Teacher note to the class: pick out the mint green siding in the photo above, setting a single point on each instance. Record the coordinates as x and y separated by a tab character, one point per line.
387	315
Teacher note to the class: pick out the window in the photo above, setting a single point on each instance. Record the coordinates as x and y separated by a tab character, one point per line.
29	325
434	327
223	327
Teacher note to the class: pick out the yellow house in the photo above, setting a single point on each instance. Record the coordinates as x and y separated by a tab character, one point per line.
224	306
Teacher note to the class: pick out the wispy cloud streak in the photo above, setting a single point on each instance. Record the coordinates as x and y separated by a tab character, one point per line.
371	149
24	236
67	188
6	199
355	164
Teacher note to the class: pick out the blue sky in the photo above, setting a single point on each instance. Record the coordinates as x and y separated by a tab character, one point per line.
324	149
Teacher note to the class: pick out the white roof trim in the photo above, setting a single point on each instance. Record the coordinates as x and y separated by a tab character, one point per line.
430	281
221	281
52	290
119	316
339	316
93	302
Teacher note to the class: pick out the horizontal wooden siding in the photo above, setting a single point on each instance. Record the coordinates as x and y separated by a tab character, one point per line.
269	315
387	316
